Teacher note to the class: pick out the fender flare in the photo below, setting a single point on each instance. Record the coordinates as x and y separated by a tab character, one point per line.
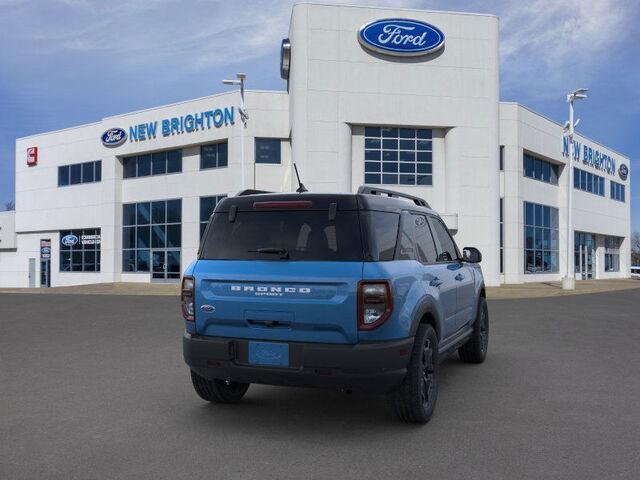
427	306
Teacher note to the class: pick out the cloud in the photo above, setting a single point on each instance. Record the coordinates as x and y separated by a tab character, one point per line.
545	42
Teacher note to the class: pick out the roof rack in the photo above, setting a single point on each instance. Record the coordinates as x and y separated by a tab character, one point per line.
366	190
250	191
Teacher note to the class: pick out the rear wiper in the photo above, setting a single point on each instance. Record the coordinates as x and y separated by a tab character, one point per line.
283	252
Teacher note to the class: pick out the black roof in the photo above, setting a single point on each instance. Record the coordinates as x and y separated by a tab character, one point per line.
322	201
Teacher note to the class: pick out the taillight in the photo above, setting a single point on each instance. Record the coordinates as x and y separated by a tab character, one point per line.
375	303
187	298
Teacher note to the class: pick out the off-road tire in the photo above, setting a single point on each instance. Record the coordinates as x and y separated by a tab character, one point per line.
415	399
218	391
475	350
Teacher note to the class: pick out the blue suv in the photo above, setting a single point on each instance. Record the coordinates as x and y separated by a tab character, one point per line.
364	292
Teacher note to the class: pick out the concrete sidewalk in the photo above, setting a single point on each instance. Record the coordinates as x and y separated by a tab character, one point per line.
554	289
525	290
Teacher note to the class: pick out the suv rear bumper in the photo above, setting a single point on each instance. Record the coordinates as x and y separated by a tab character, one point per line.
368	367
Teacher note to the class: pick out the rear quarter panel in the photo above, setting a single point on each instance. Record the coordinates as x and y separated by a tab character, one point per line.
408	293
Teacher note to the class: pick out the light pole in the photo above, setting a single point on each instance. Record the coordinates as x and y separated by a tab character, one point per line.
569	281
244	116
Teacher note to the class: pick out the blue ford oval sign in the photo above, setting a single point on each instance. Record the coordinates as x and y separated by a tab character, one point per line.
69	240
114	137
623	171
401	37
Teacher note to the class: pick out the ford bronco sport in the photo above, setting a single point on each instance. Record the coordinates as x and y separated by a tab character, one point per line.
364	292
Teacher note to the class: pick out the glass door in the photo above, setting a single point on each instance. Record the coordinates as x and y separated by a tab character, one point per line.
159	264
584	250
165	264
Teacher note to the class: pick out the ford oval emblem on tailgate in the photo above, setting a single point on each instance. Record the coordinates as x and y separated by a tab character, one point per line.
208	308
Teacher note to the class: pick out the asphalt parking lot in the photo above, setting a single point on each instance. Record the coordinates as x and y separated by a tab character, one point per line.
95	387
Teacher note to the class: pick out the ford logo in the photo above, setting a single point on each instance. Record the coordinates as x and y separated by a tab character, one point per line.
114	137
46	250
401	37
69	240
623	171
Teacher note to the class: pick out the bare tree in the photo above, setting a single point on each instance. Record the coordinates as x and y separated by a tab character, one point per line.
635	248
11	205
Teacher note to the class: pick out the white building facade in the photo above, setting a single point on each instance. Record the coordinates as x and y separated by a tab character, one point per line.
125	199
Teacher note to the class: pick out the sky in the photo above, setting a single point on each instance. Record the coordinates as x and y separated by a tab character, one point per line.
68	62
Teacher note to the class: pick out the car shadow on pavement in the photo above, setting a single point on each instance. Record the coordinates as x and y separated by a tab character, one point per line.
309	411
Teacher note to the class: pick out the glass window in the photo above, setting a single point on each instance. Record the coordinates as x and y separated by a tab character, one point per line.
80	250
541	244
447	250
267	150
143	213
174	161
207	206
144	165
539	169
304	235
425	244
588	182
213	155
151	226
617	191
129	166
158	163
87	172
402	155
383	228
63	176
76	174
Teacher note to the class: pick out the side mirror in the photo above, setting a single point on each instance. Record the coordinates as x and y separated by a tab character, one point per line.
471	255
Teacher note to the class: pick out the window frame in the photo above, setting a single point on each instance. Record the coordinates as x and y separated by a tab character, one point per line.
583	180
96	168
217	145
80	248
541	165
617	191
458	259
274	141
540	229
387	151
136	159
135	226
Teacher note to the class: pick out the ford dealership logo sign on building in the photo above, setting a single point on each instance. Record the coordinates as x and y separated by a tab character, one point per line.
114	137
623	171
401	37
69	240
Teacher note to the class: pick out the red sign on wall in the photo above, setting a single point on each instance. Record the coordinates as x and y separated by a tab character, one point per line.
32	156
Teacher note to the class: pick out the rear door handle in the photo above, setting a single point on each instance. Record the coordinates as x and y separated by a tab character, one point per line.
459	277
436	282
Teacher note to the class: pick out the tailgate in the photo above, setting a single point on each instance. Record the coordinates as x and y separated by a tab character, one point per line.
275	300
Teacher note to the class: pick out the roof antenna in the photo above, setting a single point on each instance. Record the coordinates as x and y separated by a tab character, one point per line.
301	188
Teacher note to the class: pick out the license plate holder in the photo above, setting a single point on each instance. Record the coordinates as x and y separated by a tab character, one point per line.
269	353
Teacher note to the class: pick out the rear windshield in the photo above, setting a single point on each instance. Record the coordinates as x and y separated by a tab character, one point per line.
284	235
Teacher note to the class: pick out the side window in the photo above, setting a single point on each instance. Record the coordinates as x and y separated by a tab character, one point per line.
384	234
407	250
424	241
447	250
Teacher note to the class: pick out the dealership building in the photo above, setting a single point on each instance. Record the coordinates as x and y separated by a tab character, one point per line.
401	99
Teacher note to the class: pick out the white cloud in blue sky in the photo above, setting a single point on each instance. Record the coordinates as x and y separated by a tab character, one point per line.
66	62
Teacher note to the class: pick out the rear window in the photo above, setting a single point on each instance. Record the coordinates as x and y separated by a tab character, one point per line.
267	235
